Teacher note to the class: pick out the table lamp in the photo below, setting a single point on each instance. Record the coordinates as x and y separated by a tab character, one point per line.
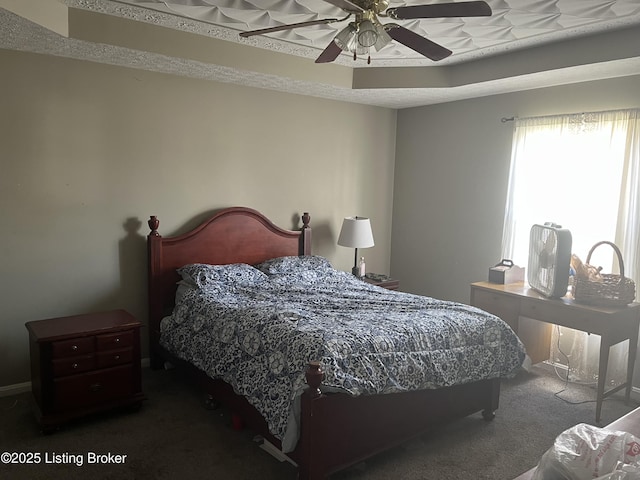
356	233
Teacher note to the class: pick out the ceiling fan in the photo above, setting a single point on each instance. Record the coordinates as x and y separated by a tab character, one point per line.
366	30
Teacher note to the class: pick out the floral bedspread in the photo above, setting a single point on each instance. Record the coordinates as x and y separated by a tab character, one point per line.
257	329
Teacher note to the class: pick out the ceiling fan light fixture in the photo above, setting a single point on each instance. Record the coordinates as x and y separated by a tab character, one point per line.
346	38
367	33
383	37
360	50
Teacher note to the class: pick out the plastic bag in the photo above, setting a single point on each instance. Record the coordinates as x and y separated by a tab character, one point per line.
585	452
624	472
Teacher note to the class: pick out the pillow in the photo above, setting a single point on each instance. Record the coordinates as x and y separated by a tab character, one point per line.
295	264
203	275
182	288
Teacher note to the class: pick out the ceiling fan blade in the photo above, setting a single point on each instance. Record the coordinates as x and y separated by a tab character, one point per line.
329	54
441	10
346	5
417	42
280	28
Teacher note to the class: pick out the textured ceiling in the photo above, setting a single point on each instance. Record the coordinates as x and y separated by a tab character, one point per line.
525	44
513	24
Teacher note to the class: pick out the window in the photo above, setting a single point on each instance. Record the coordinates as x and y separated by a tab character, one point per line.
580	171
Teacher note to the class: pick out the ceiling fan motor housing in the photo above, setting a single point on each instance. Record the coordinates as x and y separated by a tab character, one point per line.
377	6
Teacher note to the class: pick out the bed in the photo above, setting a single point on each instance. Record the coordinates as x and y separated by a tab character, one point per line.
333	419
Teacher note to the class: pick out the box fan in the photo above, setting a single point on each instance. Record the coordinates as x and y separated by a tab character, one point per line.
549	259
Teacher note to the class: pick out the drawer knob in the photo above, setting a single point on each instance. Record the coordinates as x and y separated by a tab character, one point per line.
74	347
116	357
75	365
96	387
117	340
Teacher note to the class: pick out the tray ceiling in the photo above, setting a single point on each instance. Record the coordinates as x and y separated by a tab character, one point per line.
524	44
514	24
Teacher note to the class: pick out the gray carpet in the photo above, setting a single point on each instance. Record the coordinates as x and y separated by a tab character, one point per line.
174	437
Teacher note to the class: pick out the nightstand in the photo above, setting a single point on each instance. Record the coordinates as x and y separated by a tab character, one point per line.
84	364
382	281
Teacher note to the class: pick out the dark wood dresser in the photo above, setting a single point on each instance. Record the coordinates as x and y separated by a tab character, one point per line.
84	364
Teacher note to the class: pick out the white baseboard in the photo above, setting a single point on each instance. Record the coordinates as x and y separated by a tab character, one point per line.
18	388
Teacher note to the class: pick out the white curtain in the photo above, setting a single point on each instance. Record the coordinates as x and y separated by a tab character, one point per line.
581	171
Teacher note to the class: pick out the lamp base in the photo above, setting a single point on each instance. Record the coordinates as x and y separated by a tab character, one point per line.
356	271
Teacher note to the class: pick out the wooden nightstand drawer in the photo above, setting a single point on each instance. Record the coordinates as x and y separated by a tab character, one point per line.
73	365
73	347
93	388
114	357
115	340
84	364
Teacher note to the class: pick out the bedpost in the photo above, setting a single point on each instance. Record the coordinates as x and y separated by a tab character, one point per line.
311	464
305	238
314	376
489	412
154	255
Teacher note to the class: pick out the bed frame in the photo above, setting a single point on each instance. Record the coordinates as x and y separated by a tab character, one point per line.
337	430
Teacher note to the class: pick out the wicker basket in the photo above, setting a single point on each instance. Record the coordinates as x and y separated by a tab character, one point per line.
613	290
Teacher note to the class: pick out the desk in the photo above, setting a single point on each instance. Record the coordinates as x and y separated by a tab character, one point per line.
629	423
613	324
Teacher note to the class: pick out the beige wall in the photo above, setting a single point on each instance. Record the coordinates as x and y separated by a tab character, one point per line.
452	164
89	151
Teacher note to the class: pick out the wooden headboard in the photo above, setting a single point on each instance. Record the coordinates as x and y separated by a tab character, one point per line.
232	235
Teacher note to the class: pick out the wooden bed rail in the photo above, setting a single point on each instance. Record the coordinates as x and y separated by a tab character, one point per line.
338	430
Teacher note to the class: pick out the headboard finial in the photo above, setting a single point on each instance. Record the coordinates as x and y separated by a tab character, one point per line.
306	218
154	223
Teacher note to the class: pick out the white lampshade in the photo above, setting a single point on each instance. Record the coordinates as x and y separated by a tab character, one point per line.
356	233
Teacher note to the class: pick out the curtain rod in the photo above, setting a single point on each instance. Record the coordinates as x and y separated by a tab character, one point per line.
511	119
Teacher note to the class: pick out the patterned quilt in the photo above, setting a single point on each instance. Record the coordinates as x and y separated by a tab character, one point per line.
258	327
